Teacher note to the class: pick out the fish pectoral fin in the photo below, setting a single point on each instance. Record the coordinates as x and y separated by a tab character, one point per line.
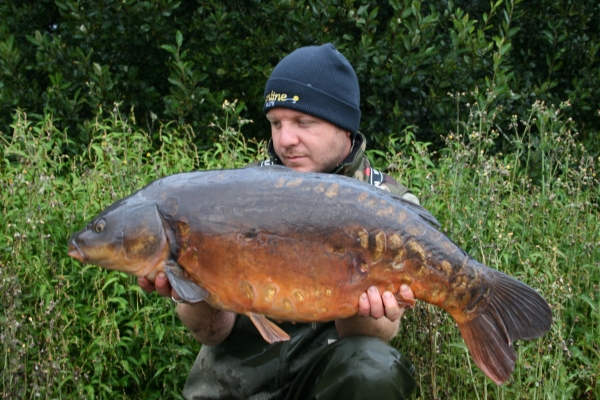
187	289
269	331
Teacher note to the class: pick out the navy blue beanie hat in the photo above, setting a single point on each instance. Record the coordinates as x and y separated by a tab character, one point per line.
319	81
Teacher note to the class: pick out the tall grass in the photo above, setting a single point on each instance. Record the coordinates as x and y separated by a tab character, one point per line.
74	331
532	213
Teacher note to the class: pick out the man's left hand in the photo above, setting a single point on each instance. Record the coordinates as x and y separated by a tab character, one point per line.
376	305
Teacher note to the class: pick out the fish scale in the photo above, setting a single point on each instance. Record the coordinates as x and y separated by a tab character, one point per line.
272	243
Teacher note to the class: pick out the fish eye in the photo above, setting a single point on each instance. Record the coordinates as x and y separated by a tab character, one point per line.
100	225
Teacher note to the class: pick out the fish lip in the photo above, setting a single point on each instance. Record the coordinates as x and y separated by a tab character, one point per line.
76	252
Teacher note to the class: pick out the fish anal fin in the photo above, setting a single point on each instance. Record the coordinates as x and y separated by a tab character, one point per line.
187	289
269	331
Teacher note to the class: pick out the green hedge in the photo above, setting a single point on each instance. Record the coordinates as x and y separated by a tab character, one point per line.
173	60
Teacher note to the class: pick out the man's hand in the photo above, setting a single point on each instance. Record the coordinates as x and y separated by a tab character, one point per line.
161	285
208	325
372	307
372	304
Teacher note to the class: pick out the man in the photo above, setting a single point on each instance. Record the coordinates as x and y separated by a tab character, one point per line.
312	102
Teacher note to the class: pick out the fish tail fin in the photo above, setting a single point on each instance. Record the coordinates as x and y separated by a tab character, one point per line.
515	311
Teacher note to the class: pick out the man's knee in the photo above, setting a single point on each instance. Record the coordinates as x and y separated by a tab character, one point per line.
357	368
371	360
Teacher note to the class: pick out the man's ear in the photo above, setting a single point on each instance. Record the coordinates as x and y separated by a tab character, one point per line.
347	133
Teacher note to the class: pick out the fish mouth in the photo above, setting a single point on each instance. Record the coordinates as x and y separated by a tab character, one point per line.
76	252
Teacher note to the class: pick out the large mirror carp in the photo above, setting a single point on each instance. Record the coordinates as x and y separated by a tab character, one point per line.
269	242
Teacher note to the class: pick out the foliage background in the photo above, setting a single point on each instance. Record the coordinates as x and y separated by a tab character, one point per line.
173	60
74	331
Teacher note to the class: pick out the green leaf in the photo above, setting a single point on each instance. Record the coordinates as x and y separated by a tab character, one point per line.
97	69
505	48
179	38
110	281
171	49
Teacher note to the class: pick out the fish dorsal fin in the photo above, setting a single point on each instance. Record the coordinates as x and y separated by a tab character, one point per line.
269	331
419	210
187	289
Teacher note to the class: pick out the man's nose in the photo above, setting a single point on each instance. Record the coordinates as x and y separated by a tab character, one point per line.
288	136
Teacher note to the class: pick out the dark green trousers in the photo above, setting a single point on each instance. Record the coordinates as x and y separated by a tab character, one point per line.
314	364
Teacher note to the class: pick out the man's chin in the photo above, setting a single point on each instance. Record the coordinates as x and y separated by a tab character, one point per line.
299	164
302	169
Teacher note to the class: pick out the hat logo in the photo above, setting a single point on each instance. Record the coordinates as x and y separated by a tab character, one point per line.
272	97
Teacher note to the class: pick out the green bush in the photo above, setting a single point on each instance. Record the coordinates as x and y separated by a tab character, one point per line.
170	60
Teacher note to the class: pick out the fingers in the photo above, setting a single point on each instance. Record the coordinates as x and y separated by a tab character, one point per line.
375	305
370	304
145	284
392	309
375	300
364	307
161	285
407	292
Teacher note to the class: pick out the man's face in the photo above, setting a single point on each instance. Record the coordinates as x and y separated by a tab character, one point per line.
305	143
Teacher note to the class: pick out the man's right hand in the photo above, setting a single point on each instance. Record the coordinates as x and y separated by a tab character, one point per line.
207	324
161	285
